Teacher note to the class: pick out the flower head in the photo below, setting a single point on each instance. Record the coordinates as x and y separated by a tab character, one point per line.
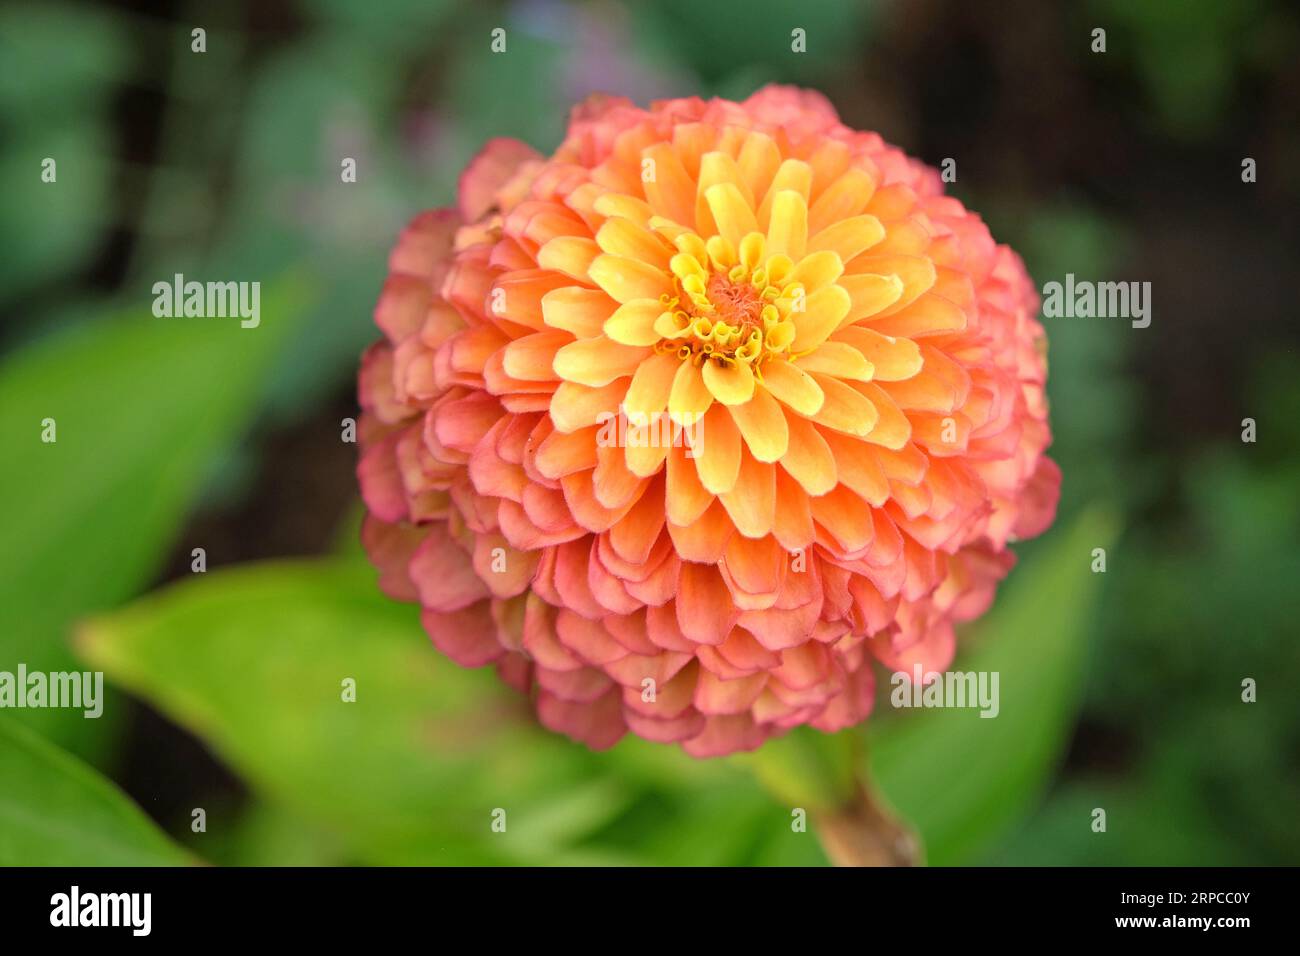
687	424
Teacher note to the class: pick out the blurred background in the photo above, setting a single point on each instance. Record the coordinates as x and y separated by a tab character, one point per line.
1121	691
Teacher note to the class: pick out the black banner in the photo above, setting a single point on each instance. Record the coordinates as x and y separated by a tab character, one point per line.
552	907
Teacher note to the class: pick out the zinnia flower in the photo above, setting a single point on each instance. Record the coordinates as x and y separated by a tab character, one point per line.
688	424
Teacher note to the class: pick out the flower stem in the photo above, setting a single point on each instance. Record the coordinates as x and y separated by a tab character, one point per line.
827	775
862	832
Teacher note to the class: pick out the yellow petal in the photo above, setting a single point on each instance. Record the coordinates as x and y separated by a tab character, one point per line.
791	174
792	386
629	279
690	397
622	237
838	359
652	383
816	270
787	233
734	216
848	238
717	168
762	425
731	383
633	323
824	310
916	272
611	204
672	325
869	293
596	362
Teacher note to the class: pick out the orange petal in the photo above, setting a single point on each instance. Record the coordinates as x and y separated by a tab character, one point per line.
808	458
580	311
752	500
929	315
529	358
670	191
892	429
845	409
858	467
597	362
717	455
762	426
627	280
703	539
845	197
576	406
793	386
893	359
686	497
705	612
794	525
849	238
571	255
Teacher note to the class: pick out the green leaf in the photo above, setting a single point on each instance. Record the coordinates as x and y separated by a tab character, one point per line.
253	660
961	780
56	811
142	406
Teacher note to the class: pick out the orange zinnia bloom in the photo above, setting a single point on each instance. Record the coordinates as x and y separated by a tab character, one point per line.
685	425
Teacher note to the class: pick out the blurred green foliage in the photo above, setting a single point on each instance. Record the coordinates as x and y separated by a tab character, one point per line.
140	410
55	811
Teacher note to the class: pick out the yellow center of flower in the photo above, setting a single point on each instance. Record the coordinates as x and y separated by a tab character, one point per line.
729	306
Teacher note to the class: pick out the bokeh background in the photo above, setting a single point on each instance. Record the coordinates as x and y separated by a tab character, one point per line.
1120	691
